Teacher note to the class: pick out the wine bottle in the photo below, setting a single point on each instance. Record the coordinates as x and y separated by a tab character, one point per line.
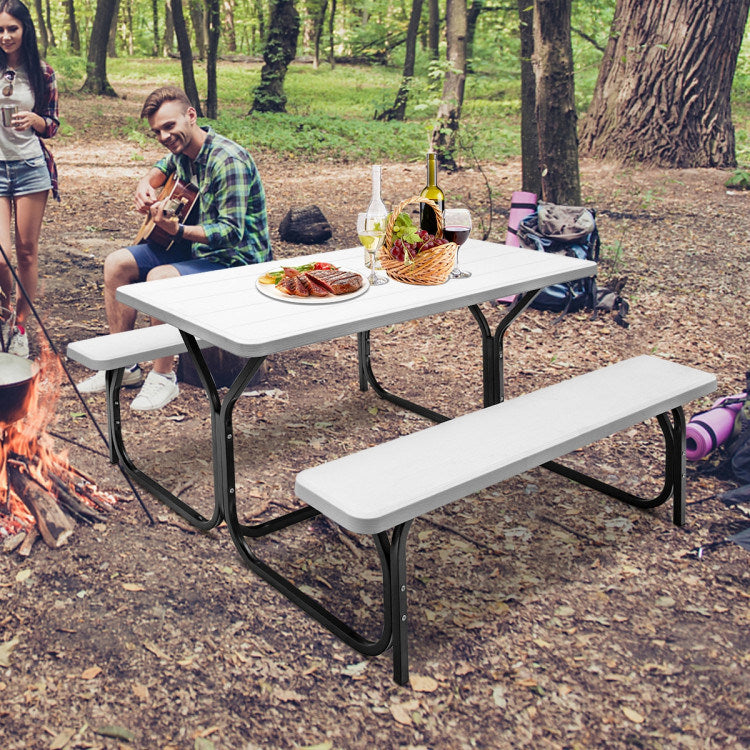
376	206
427	219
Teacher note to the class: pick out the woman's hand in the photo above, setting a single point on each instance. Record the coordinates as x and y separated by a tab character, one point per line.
25	120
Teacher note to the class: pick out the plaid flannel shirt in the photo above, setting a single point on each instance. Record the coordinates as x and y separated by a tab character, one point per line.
48	110
231	204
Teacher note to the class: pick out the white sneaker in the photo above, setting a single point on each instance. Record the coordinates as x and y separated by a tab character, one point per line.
19	343
157	391
97	383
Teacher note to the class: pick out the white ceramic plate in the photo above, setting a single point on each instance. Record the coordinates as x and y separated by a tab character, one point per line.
271	291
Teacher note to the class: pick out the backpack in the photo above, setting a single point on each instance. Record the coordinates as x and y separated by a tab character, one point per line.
563	229
738	447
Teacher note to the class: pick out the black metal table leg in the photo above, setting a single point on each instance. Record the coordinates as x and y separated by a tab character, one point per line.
398	606
492	361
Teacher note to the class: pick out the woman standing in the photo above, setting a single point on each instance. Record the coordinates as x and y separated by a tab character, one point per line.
28	105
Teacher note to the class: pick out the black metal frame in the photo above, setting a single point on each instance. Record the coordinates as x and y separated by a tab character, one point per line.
391	552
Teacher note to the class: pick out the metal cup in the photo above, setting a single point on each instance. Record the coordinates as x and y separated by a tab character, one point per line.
6	112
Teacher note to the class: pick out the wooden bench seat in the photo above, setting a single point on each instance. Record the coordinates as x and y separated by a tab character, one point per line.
391	484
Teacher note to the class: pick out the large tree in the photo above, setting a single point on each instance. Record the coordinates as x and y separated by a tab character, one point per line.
663	92
531	178
96	73
555	102
186	55
280	49
398	110
445	132
73	36
213	23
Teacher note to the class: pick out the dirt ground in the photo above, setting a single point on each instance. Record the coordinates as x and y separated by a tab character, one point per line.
542	615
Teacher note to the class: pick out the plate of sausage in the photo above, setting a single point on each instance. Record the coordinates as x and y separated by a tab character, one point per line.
314	287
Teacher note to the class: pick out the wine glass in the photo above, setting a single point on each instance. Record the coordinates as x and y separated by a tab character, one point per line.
457	228
371	233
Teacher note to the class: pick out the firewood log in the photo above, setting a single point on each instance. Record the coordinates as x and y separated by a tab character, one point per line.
53	524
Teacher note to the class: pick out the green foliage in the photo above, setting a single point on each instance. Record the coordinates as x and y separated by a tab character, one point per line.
70	70
740	179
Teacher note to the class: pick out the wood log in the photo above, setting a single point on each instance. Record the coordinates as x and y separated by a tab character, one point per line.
53	524
306	225
31	536
73	505
12	542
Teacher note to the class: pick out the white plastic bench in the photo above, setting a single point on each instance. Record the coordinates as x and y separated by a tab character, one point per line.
425	470
117	350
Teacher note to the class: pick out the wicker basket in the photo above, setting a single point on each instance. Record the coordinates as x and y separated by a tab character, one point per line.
431	266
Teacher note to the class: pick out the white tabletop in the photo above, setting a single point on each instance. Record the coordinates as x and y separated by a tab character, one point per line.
225	307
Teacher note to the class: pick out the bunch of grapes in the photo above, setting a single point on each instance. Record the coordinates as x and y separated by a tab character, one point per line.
410	250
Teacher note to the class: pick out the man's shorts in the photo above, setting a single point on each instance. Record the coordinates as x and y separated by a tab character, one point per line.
149	255
24	177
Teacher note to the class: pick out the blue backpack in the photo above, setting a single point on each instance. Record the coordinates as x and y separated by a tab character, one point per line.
563	229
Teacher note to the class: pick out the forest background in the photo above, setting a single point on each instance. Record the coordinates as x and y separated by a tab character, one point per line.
330	107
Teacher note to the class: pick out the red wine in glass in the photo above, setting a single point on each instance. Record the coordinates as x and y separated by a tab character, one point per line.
457	229
457	234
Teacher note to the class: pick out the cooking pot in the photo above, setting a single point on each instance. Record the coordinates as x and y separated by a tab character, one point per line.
16	378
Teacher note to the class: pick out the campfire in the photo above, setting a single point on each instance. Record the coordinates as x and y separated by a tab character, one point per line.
41	494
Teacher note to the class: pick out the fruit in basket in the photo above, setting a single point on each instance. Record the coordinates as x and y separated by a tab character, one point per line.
409	241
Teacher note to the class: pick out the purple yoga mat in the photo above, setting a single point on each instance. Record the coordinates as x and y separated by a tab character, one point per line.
521	204
708	430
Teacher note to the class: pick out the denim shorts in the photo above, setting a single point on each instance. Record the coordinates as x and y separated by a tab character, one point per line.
24	177
149	255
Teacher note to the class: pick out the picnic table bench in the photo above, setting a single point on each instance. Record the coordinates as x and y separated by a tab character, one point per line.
428	469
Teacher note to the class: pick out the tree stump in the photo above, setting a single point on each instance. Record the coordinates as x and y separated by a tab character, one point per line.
306	225
224	368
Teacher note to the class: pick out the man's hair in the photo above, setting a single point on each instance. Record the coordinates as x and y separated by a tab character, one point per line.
164	94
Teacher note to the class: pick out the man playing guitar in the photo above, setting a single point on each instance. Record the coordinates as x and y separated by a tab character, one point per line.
230	228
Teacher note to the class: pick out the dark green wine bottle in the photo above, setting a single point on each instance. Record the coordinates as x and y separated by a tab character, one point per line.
427	219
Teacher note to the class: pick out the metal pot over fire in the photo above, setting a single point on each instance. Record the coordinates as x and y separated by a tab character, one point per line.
17	377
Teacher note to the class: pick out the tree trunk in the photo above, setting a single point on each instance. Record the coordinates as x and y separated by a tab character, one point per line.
168	29
50	31
41	28
96	77
279	51
155	17
331	50
449	112
531	178
258	7
74	38
555	102
664	87
199	26
472	16
229	32
318	17
112	39
433	29
213	17
186	56
398	110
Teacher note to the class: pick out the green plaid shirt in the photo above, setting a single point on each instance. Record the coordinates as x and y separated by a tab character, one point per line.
232	203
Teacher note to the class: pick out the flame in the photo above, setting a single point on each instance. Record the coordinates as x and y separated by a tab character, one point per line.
26	445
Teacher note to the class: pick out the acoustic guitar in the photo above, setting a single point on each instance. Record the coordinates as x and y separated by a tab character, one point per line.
180	199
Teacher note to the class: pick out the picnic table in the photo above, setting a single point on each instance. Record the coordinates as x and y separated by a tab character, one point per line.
227	308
